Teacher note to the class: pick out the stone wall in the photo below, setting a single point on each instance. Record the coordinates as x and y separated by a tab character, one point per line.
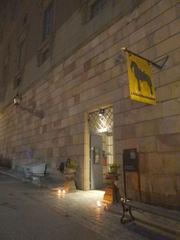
91	78
72	28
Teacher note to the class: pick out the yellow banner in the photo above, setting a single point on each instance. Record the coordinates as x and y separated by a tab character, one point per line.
140	80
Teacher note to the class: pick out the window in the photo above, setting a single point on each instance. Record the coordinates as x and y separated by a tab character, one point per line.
45	55
1	33
5	73
21	54
14	9
97	6
17	81
48	21
25	19
3	82
92	8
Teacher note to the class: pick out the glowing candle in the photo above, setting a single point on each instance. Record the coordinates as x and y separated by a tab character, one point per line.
98	203
59	191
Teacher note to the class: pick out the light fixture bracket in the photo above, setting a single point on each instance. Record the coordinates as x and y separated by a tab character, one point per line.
101	112
17	99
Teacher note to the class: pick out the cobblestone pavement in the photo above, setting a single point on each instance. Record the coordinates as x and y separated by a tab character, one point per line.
29	213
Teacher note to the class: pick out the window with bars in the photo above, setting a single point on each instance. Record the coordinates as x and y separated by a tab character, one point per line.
48	21
101	121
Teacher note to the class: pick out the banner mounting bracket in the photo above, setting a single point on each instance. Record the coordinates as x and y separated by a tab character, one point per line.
153	63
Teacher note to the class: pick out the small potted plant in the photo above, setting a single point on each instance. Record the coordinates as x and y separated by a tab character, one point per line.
70	175
113	172
112	194
70	168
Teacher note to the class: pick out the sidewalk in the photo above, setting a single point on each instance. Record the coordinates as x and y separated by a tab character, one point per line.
169	225
162	225
45	182
10	173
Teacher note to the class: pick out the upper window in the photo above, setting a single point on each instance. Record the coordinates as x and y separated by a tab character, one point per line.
92	8
4	80
1	33
97	6
21	54
48	21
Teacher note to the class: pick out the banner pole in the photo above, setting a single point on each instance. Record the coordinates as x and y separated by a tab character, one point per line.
153	63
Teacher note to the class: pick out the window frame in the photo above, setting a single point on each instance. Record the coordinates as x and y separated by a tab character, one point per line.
48	20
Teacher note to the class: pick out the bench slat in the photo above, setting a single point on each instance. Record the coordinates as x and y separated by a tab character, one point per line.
174	215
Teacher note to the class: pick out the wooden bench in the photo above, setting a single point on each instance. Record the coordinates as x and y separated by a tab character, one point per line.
36	170
129	205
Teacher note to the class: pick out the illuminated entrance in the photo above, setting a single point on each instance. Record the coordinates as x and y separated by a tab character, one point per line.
101	146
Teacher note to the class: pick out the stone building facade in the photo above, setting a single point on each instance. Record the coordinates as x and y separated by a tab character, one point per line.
64	59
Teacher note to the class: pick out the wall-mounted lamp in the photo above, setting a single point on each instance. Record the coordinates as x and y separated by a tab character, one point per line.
101	112
17	99
17	102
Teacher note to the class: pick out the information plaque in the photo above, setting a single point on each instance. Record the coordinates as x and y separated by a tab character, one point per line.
130	160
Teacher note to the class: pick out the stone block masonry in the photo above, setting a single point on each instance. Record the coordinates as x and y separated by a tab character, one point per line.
92	78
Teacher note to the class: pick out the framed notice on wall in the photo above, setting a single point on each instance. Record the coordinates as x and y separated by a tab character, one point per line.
130	160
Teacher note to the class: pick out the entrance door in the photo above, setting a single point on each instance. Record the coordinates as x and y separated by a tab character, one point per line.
101	146
96	171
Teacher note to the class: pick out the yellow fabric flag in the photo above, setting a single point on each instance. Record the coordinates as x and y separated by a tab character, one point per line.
140	79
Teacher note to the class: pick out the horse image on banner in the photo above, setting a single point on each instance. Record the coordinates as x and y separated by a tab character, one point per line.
140	80
141	76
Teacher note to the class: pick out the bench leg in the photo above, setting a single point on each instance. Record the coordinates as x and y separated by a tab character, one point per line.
130	213
127	210
123	216
124	213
